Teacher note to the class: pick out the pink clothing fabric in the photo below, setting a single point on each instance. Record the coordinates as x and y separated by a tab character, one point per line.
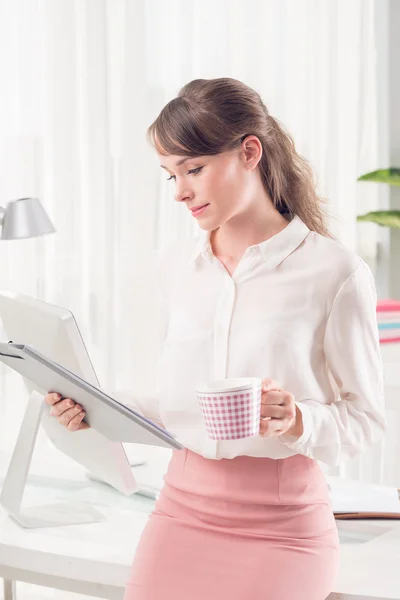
246	528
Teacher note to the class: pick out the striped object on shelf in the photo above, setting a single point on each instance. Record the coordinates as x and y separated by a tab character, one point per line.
388	316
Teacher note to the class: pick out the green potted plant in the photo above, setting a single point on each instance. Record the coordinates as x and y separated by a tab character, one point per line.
385	218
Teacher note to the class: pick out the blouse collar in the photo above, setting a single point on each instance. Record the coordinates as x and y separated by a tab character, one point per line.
274	250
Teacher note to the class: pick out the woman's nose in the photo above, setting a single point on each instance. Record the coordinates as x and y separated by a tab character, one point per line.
182	192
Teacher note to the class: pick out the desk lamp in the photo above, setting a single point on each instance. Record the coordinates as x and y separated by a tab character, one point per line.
24	218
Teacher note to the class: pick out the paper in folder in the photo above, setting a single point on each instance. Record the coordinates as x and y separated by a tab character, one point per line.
116	421
352	499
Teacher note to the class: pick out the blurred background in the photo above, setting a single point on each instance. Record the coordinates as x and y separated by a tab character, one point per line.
81	80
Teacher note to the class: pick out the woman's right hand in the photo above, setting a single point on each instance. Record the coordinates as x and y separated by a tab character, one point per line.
67	412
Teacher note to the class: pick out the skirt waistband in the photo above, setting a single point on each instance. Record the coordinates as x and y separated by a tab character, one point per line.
248	496
297	480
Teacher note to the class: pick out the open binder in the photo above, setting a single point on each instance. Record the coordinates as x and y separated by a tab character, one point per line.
114	420
109	417
352	499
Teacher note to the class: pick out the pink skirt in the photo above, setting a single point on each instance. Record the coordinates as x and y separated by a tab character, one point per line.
238	529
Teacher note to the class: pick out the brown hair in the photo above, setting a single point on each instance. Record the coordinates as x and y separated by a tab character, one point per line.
210	116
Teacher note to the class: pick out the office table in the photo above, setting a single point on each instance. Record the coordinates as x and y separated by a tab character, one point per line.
95	559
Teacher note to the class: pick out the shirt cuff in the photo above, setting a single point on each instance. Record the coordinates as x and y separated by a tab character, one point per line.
298	444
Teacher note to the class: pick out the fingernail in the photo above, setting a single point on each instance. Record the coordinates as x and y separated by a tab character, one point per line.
69	403
56	396
77	408
265	388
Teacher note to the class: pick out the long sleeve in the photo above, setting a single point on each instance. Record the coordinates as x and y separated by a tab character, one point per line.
147	406
356	418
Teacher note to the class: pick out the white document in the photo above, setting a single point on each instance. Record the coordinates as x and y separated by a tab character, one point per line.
351	496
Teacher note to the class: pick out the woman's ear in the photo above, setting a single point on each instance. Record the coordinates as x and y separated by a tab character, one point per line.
251	151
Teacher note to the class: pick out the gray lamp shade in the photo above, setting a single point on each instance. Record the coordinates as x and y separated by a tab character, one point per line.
24	218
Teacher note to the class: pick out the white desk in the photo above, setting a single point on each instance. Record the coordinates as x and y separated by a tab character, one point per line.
88	559
95	559
369	569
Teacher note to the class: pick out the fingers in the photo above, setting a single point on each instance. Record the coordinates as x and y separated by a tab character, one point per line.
270	384
77	423
52	398
277	409
276	397
72	418
272	411
273	427
67	415
277	405
61	407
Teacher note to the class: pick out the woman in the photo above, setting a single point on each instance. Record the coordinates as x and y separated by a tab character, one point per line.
263	291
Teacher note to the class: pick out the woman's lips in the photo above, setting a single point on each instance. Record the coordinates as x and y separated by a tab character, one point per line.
198	211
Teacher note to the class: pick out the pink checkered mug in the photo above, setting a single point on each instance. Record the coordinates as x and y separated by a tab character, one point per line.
231	407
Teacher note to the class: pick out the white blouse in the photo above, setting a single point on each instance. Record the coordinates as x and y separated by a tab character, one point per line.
299	308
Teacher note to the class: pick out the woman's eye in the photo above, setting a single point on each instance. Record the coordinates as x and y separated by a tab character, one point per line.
195	171
191	172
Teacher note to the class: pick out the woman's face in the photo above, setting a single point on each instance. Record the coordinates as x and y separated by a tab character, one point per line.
220	186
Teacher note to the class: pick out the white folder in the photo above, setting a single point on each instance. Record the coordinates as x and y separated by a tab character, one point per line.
117	422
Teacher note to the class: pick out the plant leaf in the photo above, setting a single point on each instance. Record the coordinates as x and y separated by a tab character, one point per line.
384	218
390	176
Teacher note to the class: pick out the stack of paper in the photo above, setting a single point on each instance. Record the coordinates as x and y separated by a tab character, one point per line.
388	315
360	499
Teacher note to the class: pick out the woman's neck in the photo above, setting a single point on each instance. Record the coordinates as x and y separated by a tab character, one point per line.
231	240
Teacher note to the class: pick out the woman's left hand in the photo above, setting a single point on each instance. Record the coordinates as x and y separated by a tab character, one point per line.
279	413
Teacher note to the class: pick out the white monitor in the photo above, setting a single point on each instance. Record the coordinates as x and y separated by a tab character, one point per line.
54	332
